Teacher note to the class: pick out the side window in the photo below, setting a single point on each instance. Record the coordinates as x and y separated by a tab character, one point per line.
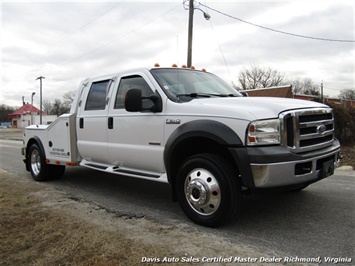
133	82
97	95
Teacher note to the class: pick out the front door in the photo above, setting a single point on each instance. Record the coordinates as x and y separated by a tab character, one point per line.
136	139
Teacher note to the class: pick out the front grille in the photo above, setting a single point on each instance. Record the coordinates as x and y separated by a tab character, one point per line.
307	130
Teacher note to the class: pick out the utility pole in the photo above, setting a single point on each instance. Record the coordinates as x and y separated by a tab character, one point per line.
33	93
190	32
321	92
40	98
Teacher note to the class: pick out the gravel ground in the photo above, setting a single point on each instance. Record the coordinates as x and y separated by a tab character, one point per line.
40	225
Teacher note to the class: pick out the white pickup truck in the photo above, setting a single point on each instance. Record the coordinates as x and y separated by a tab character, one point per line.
192	130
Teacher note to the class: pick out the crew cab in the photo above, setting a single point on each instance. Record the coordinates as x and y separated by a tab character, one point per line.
192	130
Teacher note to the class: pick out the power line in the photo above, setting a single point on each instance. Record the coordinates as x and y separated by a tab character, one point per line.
274	30
85	25
120	37
221	51
73	32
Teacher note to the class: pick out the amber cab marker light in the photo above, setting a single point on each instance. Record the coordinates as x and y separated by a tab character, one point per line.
156	65
174	65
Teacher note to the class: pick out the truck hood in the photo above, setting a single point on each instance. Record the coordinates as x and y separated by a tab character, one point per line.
247	108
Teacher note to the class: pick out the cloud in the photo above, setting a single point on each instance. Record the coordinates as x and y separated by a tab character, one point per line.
69	41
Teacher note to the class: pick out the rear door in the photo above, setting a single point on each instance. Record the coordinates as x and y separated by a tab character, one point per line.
92	123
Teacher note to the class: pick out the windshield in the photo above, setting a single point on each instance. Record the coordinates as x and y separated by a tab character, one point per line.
186	84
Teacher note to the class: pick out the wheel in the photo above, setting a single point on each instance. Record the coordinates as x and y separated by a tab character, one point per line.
208	189
38	167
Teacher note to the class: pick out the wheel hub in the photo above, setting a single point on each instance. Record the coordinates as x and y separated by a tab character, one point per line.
196	192
202	191
35	162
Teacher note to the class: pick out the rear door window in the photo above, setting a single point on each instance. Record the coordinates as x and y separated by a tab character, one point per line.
97	95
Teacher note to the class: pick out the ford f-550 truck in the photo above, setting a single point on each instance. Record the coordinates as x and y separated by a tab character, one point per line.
192	130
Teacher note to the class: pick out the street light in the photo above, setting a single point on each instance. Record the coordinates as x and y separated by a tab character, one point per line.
40	99
33	93
190	30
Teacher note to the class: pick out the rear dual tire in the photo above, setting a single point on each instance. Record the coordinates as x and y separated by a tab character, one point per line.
40	170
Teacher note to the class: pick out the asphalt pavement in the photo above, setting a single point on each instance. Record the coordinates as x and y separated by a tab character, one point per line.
318	221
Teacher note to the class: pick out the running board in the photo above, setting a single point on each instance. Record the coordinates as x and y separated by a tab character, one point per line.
114	169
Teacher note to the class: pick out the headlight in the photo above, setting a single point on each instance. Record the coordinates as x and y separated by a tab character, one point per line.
265	132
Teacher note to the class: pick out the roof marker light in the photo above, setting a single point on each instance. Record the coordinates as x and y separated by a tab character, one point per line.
156	65
192	67
174	65
183	66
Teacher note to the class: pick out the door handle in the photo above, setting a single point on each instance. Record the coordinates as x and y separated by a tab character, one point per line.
81	122
110	123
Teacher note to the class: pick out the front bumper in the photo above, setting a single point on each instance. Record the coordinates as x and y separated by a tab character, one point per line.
275	166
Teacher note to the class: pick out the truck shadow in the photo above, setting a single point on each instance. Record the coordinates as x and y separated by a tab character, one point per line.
146	198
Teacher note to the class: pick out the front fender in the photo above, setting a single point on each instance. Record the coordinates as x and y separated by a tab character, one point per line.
208	129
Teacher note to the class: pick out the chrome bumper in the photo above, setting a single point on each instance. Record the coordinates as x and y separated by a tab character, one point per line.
294	172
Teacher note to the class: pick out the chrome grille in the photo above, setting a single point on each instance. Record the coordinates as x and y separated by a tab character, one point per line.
307	130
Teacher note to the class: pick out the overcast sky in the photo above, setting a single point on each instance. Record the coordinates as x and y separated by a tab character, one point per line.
69	41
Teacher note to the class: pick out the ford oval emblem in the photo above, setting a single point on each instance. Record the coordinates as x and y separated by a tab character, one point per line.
321	129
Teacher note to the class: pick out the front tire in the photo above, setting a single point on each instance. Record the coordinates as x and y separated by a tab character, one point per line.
208	189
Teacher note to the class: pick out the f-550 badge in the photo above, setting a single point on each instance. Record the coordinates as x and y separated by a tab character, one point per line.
171	121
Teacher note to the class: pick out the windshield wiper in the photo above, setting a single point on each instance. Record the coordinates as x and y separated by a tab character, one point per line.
223	95
206	95
194	95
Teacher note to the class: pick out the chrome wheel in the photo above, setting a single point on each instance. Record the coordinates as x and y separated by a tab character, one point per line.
35	162
208	189
202	191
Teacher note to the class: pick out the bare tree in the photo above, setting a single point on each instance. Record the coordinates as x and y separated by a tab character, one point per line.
297	85
5	111
59	107
46	106
305	86
260	77
347	94
68	99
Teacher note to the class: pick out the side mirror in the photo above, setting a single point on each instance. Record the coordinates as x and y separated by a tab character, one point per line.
134	102
245	94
